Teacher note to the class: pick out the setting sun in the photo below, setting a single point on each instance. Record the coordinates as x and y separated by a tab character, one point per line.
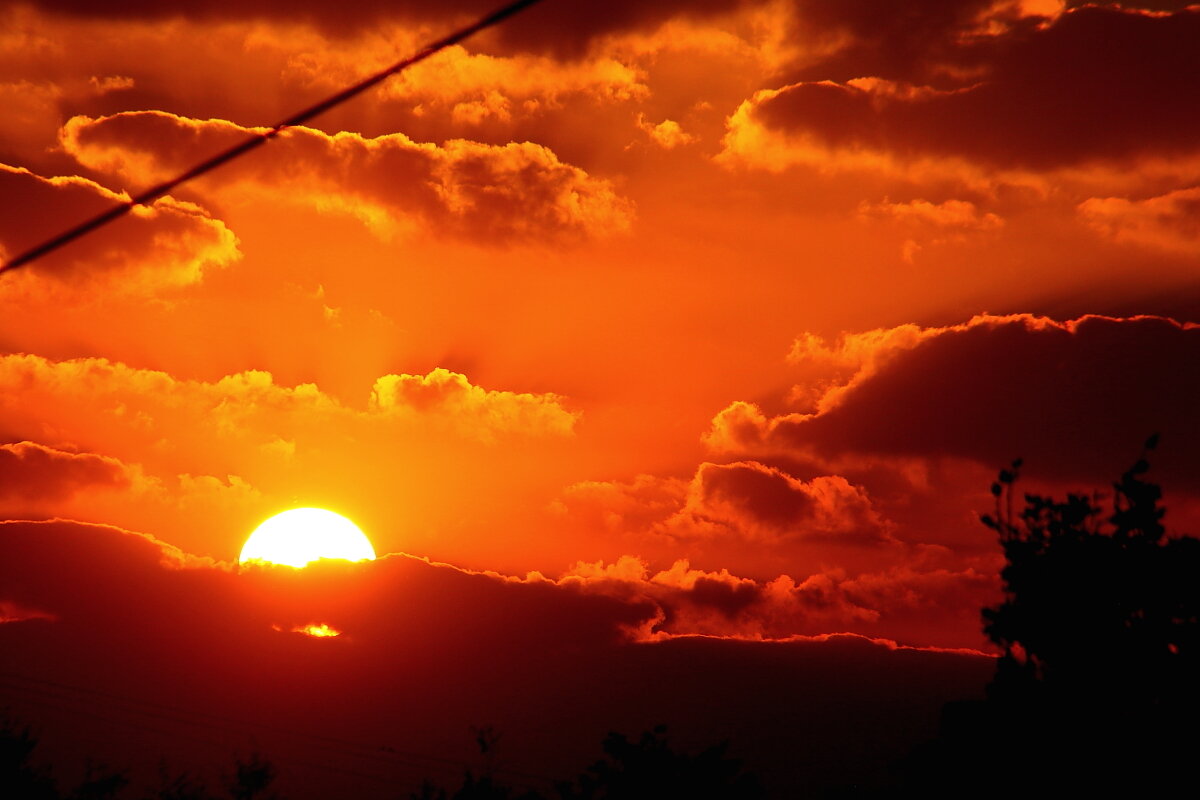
304	535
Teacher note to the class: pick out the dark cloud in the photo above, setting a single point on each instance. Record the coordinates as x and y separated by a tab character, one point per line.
1075	399
753	501
877	37
165	243
562	28
1096	84
33	473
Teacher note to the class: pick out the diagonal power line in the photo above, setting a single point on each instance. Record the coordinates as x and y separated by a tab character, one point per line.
259	139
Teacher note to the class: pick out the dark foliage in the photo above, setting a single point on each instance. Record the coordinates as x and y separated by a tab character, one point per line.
19	778
639	769
1096	687
474	788
99	783
649	768
251	779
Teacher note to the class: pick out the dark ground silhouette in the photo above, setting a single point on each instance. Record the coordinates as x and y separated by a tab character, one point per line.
647	768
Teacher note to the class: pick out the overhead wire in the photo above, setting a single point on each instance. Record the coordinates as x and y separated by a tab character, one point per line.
257	140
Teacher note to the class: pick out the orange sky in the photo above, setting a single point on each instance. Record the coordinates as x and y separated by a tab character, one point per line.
639	320
728	311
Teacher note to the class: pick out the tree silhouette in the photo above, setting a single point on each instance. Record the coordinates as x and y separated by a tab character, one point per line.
648	769
99	783
251	779
19	778
1096	687
1077	585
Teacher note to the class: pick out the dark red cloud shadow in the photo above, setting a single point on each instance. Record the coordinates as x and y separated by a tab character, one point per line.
1099	83
1074	399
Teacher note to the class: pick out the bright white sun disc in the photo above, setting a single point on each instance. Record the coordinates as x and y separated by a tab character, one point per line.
303	535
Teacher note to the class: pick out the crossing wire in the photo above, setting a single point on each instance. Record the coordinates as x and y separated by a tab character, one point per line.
257	140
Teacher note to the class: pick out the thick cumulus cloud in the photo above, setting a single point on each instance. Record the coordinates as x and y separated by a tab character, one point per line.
168	243
482	192
913	604
753	501
1092	85
744	501
30	472
62	567
1075	399
78	398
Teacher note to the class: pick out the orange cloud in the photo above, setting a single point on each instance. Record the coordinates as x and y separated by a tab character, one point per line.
667	134
487	193
952	214
472	87
149	404
1167	222
168	243
472	409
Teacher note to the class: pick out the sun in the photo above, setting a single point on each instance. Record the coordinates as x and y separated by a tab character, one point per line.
303	535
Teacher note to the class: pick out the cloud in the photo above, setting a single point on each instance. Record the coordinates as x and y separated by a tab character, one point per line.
76	398
759	503
1034	97
623	506
936	223
667	134
168	243
62	568
474	408
486	193
737	502
913	602
1075	398
33	473
852	38
1168	222
472	87
547	27
950	214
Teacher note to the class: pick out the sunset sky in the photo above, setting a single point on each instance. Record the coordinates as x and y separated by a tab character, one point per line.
618	323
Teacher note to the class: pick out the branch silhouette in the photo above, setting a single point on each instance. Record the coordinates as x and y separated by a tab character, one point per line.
1099	631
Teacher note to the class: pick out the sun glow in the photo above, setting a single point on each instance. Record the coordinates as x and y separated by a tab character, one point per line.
321	631
303	535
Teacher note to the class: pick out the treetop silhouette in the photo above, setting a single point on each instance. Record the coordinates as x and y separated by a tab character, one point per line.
1096	687
1095	603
